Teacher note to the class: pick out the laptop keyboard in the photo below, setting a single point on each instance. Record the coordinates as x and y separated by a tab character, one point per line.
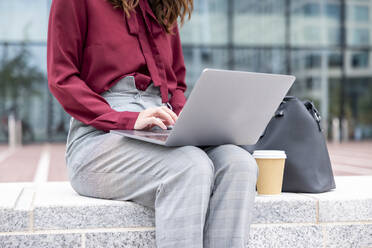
160	131
158	134
155	136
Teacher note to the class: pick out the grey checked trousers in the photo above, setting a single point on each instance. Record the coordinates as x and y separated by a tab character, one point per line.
202	196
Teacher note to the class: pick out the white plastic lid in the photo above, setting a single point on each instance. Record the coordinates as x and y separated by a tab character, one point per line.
267	154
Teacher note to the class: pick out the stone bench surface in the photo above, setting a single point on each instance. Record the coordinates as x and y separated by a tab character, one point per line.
53	213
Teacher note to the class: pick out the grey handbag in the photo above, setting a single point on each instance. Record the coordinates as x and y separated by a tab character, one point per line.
296	129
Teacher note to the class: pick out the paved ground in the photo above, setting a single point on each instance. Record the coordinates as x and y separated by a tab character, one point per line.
351	158
46	162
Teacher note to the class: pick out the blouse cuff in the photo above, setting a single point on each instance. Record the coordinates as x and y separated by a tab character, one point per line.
127	120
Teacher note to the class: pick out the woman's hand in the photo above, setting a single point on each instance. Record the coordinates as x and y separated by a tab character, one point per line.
157	116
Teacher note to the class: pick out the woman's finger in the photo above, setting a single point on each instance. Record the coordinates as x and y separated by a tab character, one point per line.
169	111
164	115
156	121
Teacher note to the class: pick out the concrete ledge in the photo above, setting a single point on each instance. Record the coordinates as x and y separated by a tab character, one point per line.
13	214
53	215
57	206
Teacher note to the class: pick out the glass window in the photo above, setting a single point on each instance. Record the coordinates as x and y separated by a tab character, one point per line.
312	83
309	83
333	11
259	22
335	60
311	9
312	61
306	29
21	20
360	37
334	36
266	7
312	34
208	24
360	60
361	13
260	60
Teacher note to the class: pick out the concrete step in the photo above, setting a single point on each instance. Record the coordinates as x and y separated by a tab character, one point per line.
54	215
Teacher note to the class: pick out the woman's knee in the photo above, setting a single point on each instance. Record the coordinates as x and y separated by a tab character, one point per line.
195	161
235	159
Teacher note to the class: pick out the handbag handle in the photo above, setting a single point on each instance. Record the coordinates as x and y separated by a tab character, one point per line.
279	112
309	106
314	112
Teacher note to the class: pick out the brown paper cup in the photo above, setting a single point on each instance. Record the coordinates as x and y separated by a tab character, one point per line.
271	168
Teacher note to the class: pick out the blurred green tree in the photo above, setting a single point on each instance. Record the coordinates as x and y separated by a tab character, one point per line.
365	106
17	75
18	79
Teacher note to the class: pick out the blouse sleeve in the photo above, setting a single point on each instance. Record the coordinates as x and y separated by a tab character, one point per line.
178	99
65	46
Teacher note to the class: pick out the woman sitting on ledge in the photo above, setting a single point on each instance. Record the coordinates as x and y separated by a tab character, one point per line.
118	64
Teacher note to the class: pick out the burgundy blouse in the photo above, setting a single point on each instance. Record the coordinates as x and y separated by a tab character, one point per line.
91	46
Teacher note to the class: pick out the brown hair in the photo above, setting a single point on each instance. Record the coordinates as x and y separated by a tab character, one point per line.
166	11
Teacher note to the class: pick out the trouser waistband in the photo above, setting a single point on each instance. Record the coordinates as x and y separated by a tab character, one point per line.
128	83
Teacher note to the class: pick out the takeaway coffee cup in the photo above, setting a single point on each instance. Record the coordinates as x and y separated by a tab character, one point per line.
271	168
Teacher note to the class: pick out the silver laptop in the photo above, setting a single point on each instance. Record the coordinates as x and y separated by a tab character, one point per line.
224	107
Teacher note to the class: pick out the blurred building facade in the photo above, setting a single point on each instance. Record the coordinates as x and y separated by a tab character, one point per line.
326	44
